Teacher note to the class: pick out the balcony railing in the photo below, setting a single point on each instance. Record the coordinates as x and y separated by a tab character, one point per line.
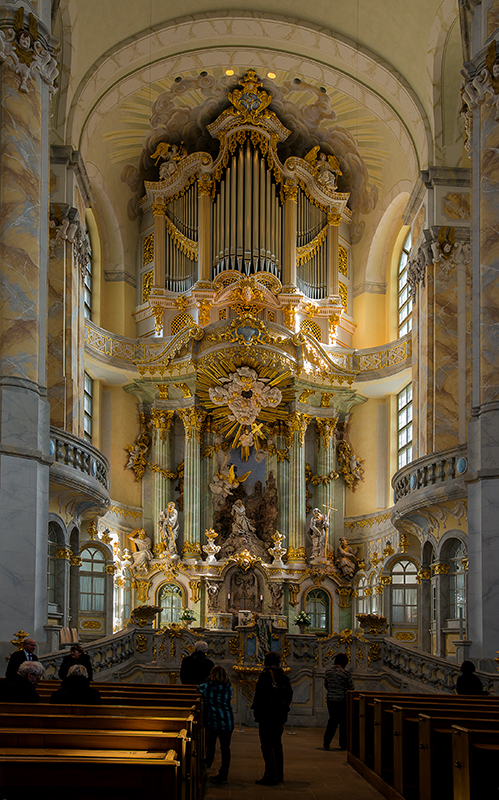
432	470
79	455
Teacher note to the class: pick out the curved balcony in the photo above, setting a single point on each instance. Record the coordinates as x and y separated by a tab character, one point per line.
430	479
79	473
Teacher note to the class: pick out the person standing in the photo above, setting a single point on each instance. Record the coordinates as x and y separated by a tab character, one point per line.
468	682
218	719
77	655
273	696
20	656
338	681
195	668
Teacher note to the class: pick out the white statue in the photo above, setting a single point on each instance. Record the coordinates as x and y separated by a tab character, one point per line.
143	556
277	551
211	549
241	524
347	560
319	525
169	528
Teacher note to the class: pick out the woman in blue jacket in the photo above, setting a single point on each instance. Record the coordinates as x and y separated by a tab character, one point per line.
218	719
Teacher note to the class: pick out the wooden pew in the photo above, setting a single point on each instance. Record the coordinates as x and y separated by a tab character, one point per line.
475	757
85	775
435	748
151	744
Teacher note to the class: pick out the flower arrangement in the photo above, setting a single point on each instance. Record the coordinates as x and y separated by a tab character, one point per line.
302	619
187	615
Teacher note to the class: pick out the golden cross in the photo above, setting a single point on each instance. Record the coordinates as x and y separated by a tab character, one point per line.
329	508
257	430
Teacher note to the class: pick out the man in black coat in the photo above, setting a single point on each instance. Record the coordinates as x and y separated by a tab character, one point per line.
196	667
22	687
273	696
20	656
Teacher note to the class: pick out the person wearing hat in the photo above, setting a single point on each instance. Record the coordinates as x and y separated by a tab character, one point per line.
196	667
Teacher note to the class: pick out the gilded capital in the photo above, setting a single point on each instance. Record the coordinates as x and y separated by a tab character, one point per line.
158	319
159	208
325	429
205	185
162	421
290	191
193	419
298	423
334	219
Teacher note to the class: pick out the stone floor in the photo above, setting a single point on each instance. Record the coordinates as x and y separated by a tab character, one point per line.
309	771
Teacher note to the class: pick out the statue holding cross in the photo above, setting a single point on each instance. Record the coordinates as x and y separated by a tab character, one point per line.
319	526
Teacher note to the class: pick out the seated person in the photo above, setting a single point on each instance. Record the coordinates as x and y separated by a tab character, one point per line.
22	687
75	689
77	655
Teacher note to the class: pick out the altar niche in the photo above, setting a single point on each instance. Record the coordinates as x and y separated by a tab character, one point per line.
244	505
245	592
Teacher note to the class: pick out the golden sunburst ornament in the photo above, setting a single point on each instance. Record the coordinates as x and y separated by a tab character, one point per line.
245	398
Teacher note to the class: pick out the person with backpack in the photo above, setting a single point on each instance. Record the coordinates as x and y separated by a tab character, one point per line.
218	719
338	682
273	696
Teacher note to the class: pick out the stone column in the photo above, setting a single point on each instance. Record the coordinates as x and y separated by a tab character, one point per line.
161	455
25	85
192	418
290	207
326	461
481	93
298	423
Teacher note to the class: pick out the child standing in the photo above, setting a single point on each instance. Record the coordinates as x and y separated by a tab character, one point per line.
218	719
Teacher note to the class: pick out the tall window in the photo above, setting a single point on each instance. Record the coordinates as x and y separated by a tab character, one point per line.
170	600
317	606
362	599
404	298
404	426
87	282
404	593
92	579
88	407
127	596
457	585
52	567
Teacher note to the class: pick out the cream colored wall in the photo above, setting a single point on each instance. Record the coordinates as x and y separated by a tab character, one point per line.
370	315
363	438
118	303
123	429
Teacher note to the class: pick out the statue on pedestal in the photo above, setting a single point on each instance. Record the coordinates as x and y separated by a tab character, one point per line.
169	528
319	526
143	555
277	551
346	560
211	549
242	535
276	594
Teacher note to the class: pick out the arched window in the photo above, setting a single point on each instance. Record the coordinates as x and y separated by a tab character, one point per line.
52	566
362	598
92	579
170	599
457	581
404	593
317	607
374	596
404	298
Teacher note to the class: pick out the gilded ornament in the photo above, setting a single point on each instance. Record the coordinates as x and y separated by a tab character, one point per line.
386	580
404	543
191	550
306	394
63	553
184	388
465	563
75	561
374	624
307	251
244	560
343	261
325	429
405	636
195	587
388	549
333	322
110	569
344	595
298	423
158	312
374	652
181	302
92	530
18	640
440	569
325	399
92	624
378	589
204	311
162	420
289	313
141	646
148	251
282	456
205	185
297	555
159	208
192	418
290	190
294	590
147	283
334	220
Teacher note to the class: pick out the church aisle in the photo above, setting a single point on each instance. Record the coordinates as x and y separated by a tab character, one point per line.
309	771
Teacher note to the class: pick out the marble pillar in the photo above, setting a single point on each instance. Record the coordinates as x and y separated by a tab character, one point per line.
297	504
290	210
161	455
192	419
483	432
325	465
25	412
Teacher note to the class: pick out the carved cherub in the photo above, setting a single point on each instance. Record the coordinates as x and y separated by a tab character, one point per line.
170	153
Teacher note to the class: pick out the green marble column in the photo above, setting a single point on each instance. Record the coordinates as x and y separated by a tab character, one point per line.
296	487
161	455
192	418
325	467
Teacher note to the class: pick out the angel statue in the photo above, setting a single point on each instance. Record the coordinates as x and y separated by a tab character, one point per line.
327	167
170	153
169	528
346	560
319	526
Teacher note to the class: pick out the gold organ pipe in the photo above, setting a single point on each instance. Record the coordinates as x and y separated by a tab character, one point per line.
256	216
235	222
247	207
262	227
268	189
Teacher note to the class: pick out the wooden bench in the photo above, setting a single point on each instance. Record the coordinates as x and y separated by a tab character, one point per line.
435	776
88	774
475	759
